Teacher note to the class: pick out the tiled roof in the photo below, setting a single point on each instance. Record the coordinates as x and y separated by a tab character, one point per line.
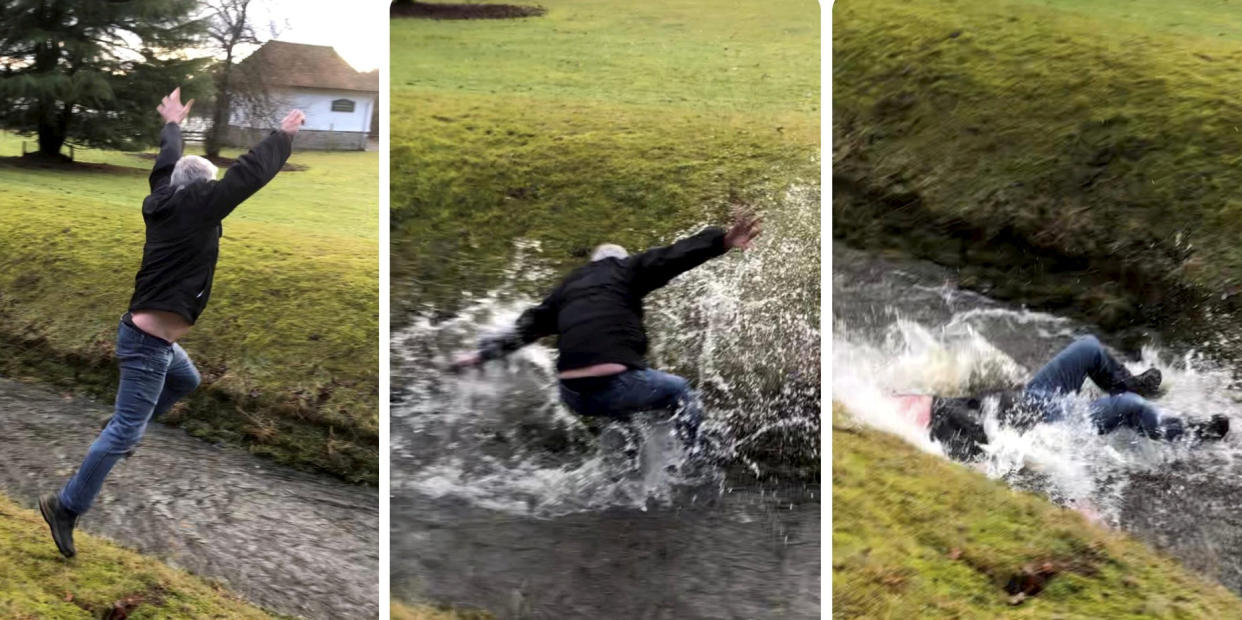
308	66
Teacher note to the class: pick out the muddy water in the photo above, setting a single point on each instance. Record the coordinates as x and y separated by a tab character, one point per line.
503	500
904	326
290	542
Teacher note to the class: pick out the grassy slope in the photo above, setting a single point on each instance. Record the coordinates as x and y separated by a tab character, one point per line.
37	583
589	124
1052	138
287	346
402	611
900	516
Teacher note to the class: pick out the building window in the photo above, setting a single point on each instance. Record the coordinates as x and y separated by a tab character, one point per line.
343	105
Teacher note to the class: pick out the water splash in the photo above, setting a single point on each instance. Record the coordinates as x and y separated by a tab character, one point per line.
742	328
958	347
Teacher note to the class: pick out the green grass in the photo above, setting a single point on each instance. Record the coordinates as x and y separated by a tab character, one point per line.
288	345
1086	153
403	611
38	583
916	536
592	123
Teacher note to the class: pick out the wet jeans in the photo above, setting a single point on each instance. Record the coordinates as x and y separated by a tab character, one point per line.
620	395
1086	357
154	375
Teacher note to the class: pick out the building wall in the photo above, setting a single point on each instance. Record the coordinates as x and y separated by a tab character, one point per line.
317	104
324	129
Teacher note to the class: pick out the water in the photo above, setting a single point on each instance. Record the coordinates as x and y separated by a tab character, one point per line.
289	541
903	327
505	500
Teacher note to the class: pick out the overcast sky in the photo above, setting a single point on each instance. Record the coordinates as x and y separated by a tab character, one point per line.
358	29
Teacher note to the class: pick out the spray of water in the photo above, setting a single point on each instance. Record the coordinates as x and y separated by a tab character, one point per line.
743	329
1067	461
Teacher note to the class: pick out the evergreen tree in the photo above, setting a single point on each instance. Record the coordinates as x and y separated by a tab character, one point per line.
89	72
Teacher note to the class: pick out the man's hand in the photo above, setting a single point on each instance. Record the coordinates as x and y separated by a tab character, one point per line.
745	228
466	360
171	110
293	122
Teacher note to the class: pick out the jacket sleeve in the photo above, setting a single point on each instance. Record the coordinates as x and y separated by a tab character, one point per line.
170	152
249	174
654	268
535	323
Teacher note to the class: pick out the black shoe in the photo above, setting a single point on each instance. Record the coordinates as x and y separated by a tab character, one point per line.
61	521
1214	429
1146	385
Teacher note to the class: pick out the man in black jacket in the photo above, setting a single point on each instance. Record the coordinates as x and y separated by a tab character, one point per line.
597	314
183	230
957	423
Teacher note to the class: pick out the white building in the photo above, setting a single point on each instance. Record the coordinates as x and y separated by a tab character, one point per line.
339	101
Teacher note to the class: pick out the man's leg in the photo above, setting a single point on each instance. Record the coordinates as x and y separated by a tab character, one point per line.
1133	411
181	379
144	363
646	389
1085	357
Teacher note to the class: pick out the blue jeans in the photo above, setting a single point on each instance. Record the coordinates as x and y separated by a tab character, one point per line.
154	375
641	390
1086	357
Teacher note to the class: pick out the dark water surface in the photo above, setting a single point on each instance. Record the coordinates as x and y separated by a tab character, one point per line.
289	541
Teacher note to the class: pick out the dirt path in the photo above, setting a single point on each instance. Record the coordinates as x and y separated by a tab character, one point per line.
292	542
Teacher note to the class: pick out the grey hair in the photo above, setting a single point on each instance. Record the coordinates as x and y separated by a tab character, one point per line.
192	168
608	250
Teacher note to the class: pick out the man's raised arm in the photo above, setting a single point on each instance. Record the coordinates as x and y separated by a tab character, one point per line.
254	169
655	267
173	113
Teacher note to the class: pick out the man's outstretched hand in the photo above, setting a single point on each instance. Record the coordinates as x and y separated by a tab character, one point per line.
292	122
747	225
466	360
171	109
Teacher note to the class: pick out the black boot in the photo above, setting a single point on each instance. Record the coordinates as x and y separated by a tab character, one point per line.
1209	430
61	521
1146	385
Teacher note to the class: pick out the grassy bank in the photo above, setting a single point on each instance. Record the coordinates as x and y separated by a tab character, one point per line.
287	346
403	611
1078	156
38	583
916	536
591	123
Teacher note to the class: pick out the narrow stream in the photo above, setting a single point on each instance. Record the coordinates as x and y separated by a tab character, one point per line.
291	542
902	326
504	500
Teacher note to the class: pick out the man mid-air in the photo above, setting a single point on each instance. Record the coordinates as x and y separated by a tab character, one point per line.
597	315
182	216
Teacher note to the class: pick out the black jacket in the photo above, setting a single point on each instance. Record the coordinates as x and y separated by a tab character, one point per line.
183	226
597	311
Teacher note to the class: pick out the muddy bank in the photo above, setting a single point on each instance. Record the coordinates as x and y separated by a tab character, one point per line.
289	541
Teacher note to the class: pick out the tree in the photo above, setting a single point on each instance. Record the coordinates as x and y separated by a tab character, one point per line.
87	72
230	26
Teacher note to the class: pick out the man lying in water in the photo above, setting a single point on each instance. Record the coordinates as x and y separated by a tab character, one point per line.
957	422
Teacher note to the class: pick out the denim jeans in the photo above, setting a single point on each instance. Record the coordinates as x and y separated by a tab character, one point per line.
1086	357
641	390
154	375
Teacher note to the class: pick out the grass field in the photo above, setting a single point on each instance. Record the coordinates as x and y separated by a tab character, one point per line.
37	583
404	611
916	536
591	123
1076	155
288	345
